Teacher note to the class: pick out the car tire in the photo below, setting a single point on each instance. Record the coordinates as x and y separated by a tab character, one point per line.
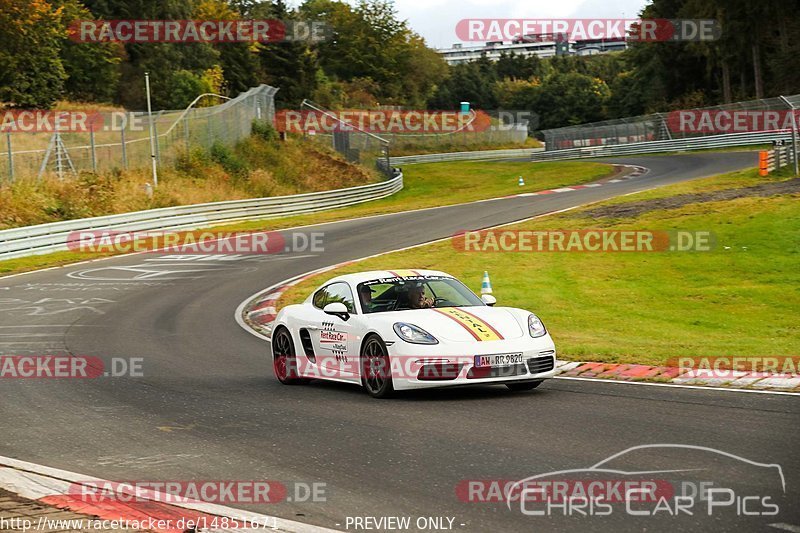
523	385
376	374
284	358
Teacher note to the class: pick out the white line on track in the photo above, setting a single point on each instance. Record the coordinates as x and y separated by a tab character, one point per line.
677	386
34	481
786	527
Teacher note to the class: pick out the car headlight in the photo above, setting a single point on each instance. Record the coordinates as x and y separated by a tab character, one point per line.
536	327
414	334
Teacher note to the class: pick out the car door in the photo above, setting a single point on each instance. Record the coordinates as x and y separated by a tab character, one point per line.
334	338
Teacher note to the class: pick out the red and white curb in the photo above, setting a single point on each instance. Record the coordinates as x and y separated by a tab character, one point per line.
57	488
635	172
258	312
727	379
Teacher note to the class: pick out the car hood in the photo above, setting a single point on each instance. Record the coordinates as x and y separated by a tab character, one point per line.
461	324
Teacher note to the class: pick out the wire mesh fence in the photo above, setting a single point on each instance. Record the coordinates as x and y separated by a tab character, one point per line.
772	114
375	148
121	140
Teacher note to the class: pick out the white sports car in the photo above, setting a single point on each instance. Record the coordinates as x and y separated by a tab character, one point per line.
409	329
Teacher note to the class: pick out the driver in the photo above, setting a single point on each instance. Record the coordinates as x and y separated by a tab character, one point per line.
417	299
365	293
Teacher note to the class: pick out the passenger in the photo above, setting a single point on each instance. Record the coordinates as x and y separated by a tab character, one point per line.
417	299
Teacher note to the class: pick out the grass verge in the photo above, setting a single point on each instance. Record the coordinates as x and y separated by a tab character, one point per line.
426	185
740	299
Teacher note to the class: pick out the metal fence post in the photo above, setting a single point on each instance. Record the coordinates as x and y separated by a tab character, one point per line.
124	148
186	131
794	134
155	137
93	152
10	157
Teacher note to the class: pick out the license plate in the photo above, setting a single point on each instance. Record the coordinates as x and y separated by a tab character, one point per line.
506	359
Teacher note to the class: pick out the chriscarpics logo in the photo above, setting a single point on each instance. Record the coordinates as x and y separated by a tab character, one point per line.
667	481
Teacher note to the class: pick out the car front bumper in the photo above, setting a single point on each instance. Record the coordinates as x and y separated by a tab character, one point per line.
416	366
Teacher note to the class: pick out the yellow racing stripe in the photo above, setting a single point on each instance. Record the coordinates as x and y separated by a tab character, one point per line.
404	273
477	327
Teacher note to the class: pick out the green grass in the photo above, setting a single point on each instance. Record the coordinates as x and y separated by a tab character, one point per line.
401	147
425	185
732	180
742	298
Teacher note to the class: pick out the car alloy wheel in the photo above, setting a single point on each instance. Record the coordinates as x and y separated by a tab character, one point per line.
284	361
376	375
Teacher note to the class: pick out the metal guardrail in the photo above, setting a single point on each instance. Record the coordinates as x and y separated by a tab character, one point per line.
775	159
728	140
57	236
484	155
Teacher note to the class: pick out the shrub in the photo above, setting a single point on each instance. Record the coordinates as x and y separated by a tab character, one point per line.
265	130
228	159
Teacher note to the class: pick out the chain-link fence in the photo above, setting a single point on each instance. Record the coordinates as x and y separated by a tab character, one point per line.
772	114
121	140
362	146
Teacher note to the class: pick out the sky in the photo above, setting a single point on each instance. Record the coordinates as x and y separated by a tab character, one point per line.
436	20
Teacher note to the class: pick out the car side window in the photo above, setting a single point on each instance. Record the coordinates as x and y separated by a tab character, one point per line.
320	298
336	292
340	292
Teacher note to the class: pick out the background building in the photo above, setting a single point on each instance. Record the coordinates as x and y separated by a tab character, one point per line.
542	45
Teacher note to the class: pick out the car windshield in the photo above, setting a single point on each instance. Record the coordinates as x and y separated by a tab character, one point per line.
416	292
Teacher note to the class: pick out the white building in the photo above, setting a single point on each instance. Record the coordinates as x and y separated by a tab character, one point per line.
542	46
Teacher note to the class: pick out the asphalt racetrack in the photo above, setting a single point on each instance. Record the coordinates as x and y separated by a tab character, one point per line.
209	408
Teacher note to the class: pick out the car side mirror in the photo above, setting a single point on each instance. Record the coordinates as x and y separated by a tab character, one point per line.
488	299
337	309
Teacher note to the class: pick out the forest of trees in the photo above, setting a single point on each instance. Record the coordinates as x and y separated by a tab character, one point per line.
372	58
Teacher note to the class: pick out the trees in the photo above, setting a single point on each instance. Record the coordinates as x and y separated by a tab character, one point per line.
757	55
369	42
92	68
472	82
571	98
31	71
291	66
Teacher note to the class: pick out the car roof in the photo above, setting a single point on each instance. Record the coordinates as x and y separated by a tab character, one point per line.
360	277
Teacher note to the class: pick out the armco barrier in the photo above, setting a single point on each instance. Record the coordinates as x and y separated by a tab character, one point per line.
465	156
53	237
775	159
679	145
